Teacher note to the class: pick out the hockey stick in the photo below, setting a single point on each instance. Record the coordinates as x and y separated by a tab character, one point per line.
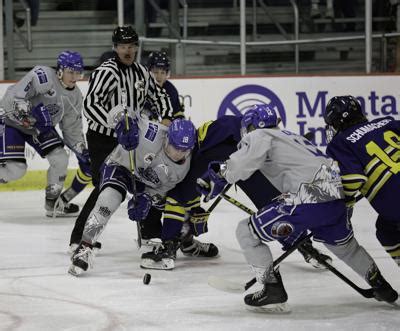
131	165
366	293
236	203
218	199
235	287
251	282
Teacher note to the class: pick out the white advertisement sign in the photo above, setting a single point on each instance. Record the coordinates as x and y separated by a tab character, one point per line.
300	101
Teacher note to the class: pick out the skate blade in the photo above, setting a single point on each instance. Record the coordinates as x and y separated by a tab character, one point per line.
394	304
201	257
274	308
164	264
75	271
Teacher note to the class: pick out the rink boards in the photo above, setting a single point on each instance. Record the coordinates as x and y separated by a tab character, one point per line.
299	100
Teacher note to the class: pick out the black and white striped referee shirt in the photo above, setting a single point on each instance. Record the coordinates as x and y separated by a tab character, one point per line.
104	93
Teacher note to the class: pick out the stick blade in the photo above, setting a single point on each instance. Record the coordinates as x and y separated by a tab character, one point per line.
225	285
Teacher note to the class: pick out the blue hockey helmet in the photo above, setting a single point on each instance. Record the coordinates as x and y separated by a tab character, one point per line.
158	60
259	117
182	134
342	112
181	139
70	60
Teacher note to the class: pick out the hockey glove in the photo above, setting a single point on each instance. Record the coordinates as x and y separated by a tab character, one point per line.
43	119
198	221
84	162
212	183
139	206
128	138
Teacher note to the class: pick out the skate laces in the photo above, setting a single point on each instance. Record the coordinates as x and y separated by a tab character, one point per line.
158	248
85	253
196	248
259	294
58	206
151	243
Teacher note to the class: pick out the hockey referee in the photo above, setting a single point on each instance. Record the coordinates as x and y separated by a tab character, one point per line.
105	86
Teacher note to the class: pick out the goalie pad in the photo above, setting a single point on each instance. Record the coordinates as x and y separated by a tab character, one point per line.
198	221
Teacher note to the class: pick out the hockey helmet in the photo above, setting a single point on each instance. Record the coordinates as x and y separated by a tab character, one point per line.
125	35
181	139
342	112
259	117
70	60
158	60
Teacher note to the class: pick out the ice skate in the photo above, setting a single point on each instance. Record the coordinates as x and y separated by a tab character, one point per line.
73	246
82	259
150	244
382	289
309	252
196	248
60	208
162	257
270	299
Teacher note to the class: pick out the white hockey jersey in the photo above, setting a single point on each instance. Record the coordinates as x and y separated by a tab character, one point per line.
151	165
290	162
41	85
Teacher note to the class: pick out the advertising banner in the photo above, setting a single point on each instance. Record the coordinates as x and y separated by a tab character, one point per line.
300	101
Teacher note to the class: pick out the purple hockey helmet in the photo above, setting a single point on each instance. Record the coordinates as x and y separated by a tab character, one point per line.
182	134
181	139
70	60
259	117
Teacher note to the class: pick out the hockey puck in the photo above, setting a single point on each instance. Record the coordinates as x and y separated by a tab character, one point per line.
146	279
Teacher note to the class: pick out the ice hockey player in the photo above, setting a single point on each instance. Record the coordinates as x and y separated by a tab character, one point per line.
159	157
183	217
367	153
32	108
159	65
312	199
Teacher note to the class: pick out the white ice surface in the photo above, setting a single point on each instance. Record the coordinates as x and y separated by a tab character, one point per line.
36	293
